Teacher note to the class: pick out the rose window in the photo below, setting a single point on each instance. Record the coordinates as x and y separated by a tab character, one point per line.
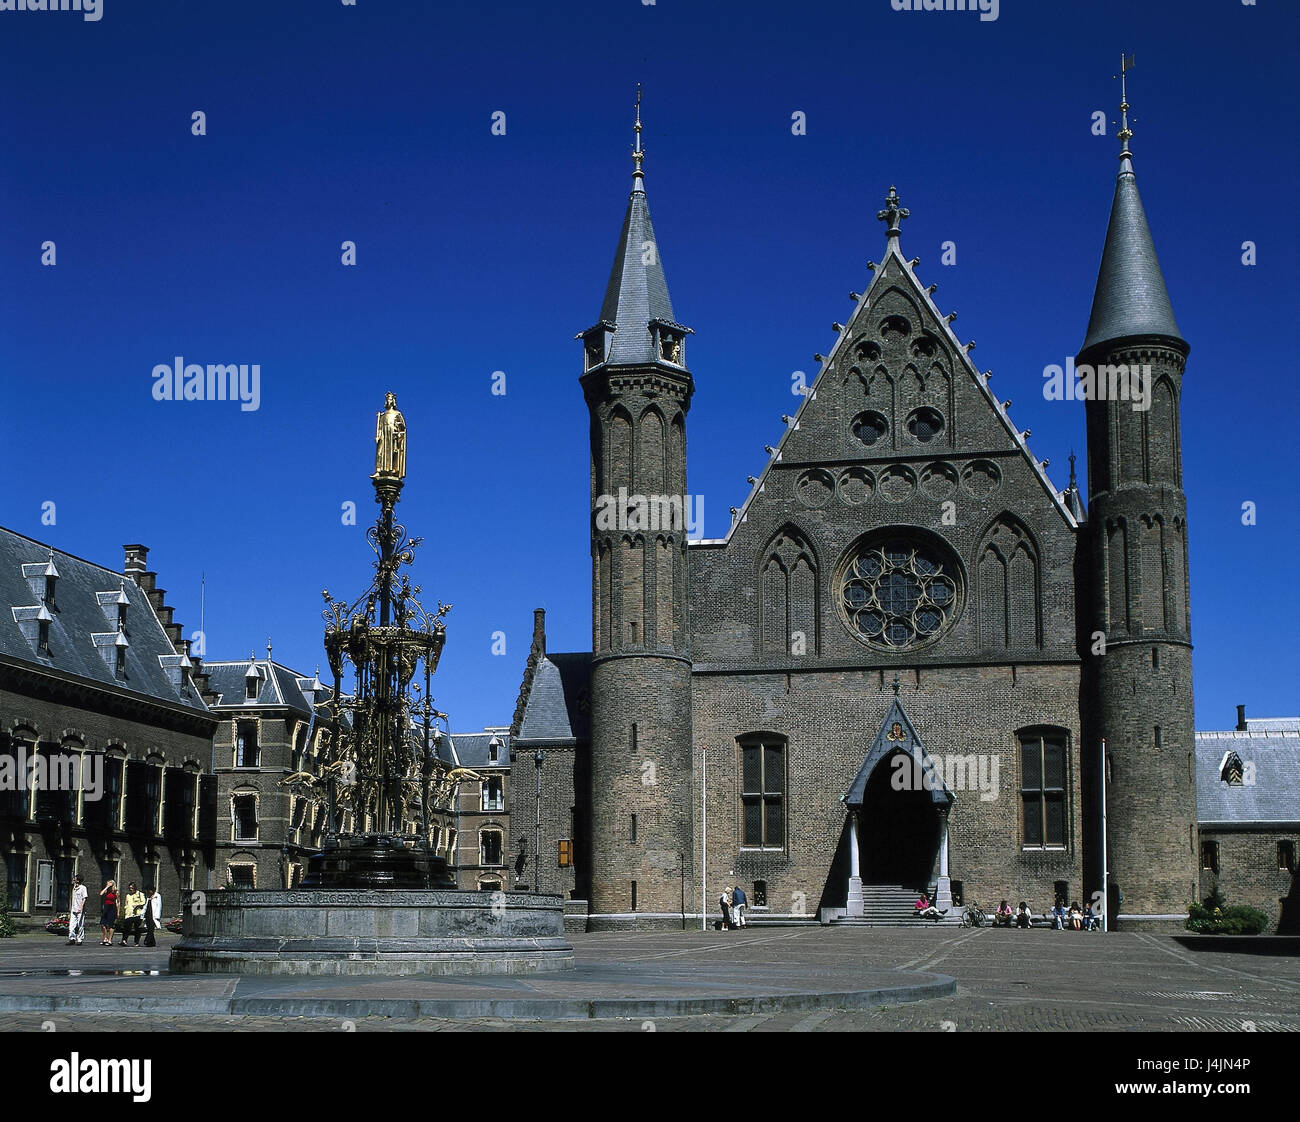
898	592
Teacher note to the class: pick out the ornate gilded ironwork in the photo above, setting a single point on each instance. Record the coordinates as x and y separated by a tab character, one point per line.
385	762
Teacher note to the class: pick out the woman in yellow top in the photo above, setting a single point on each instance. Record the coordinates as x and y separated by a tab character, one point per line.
132	910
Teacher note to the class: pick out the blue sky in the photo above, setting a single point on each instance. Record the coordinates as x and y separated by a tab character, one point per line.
478	253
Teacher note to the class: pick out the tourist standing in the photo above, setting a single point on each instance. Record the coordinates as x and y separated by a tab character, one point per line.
724	902
739	902
152	914
132	910
108	912
77	916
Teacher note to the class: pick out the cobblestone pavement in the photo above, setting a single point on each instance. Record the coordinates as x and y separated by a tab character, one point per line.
1033	981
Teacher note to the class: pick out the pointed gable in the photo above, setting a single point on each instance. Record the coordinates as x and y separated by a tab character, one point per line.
898	734
898	383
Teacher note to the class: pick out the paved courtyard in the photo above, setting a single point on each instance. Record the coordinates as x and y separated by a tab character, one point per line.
1005	980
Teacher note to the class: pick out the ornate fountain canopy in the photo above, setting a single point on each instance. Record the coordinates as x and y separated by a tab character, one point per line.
387	640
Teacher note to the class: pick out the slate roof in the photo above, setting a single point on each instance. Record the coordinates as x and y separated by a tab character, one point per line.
281	686
1274	797
1130	298
78	614
471	749
637	291
1273	724
559	704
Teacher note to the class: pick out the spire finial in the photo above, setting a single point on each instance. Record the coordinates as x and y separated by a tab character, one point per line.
1073	482
893	213
895	674
638	153
268	648
1125	133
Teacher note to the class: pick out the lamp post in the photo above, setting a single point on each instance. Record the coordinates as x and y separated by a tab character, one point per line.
539	758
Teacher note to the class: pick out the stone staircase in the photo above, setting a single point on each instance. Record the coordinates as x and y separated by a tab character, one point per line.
889	905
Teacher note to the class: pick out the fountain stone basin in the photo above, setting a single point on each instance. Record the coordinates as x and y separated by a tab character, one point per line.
371	932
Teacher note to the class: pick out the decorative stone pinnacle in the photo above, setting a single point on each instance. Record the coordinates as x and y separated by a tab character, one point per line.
893	213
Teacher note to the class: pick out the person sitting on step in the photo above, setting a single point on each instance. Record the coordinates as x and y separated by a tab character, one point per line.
926	910
1002	917
1024	917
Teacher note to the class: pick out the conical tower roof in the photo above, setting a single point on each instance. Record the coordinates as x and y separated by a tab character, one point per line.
637	293
1131	298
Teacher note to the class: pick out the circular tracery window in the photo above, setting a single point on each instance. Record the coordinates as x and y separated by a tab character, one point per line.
870	427
899	590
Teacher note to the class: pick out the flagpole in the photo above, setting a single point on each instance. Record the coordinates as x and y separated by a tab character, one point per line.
1105	861
704	839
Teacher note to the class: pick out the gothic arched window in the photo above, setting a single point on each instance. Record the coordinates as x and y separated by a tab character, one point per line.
1008	596
788	596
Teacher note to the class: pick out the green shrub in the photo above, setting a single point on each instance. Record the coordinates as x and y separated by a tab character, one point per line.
1214	917
7	928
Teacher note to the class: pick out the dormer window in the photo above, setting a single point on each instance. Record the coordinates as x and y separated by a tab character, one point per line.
595	344
43	637
119	668
114	605
494	750
42	578
1231	770
669	340
252	681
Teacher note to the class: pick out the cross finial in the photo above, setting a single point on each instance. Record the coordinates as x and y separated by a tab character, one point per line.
895	683
893	213
638	153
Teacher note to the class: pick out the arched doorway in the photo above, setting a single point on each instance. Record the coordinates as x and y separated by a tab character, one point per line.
899	825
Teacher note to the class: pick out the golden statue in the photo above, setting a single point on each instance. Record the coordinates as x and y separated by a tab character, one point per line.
390	441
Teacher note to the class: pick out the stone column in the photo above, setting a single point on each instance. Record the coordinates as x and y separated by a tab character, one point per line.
854	902
943	893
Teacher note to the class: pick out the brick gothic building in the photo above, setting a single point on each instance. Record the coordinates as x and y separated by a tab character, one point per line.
94	670
474	831
899	666
274	722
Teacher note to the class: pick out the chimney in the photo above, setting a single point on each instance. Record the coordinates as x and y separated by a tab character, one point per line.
1241	718
539	631
136	561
